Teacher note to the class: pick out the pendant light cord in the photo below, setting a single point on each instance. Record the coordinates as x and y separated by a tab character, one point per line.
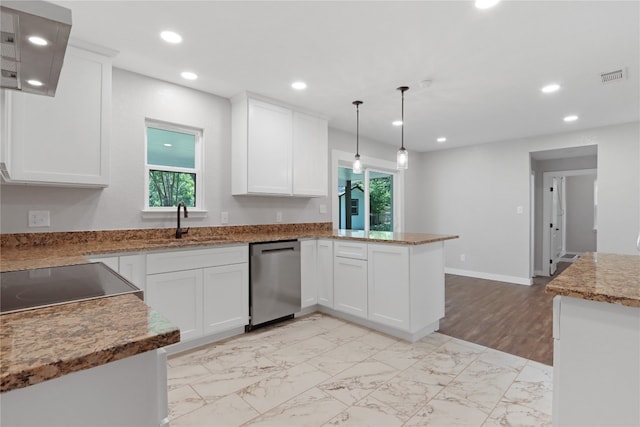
357	104
402	89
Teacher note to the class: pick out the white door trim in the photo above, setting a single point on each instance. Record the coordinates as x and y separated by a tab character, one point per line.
546	209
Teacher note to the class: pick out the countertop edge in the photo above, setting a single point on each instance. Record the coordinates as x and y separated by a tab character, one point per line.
42	373
592	296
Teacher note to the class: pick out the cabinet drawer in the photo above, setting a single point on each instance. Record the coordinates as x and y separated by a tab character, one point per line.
348	249
178	260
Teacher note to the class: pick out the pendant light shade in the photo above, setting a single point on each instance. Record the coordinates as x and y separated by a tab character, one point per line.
402	161
357	164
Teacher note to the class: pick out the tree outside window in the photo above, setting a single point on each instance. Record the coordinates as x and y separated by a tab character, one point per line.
173	165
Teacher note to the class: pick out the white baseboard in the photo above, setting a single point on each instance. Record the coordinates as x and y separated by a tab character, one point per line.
540	273
489	276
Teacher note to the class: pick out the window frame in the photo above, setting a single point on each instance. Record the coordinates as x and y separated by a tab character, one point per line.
198	169
341	158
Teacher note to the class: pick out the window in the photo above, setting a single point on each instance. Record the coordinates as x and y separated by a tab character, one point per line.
173	170
369	201
355	211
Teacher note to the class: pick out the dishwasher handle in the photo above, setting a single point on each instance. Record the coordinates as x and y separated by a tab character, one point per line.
258	249
270	251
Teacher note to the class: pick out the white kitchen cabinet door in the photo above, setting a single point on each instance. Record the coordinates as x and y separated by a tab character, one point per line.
324	266
133	268
178	297
388	285
269	148
261	148
310	155
225	297
61	140
350	286
308	273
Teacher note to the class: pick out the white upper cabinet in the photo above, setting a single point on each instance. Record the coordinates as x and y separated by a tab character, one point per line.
277	151
61	140
310	155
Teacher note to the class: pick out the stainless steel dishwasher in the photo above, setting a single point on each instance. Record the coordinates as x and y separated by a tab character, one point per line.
274	281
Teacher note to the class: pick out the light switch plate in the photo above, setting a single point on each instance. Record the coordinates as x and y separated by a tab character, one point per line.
323	209
39	219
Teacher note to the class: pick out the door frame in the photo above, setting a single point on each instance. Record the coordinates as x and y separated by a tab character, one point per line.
546	210
341	158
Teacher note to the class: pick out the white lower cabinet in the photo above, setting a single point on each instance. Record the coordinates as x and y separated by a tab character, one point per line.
178	296
350	286
202	291
324	266
131	267
388	285
225	297
308	273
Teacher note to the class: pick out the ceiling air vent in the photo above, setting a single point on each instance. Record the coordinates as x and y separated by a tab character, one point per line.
613	76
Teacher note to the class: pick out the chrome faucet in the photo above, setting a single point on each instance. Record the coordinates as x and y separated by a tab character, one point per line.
179	230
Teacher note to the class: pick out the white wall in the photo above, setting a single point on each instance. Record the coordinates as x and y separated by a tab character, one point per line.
136	97
474	192
581	236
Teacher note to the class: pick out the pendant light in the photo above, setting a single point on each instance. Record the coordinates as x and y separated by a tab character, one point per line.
357	164
403	155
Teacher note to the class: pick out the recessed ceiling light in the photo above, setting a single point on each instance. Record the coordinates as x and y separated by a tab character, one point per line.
550	88
299	85
38	40
571	118
397	123
168	145
34	82
441	139
171	37
188	75
486	4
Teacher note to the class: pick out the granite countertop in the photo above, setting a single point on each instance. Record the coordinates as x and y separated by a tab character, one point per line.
46	343
391	237
37	250
610	278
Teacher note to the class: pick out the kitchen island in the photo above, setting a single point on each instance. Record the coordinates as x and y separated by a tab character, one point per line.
596	330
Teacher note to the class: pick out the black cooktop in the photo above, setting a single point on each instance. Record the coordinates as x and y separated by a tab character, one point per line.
27	289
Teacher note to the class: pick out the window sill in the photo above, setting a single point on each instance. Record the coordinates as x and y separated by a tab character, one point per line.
171	213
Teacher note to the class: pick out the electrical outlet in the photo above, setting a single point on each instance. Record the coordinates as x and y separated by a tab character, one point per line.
39	219
224	217
519	210
278	216
323	209
463	257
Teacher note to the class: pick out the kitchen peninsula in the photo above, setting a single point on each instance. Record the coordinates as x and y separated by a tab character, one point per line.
596	330
393	282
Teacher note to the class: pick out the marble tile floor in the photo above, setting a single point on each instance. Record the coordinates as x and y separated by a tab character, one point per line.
321	371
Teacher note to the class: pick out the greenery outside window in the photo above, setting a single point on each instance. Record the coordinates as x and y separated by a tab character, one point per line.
173	168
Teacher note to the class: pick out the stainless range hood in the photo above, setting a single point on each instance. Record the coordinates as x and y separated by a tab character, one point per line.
28	66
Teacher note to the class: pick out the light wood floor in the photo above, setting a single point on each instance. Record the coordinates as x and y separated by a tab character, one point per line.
512	318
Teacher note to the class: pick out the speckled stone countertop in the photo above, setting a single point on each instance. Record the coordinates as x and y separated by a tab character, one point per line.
36	250
390	237
46	343
602	277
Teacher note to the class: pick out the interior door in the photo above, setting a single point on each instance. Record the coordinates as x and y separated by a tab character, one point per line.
555	227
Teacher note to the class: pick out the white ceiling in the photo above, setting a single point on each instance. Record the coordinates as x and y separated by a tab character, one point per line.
486	66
